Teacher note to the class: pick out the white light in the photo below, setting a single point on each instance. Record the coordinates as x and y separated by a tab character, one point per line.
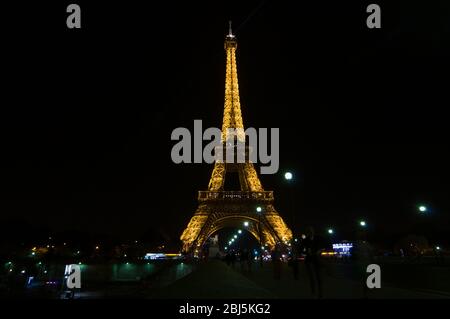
438	248
362	223
226	248
240	231
422	209
288	176
23	271
235	236
259	209
246	224
330	231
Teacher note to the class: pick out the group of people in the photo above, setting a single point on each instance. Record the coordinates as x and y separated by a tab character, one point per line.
308	249
244	257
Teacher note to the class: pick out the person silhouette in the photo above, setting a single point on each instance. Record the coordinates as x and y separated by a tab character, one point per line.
312	264
276	262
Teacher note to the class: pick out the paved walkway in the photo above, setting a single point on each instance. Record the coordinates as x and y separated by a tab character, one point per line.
216	280
333	287
213	280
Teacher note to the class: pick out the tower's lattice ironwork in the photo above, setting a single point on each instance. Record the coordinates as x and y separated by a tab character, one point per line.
219	208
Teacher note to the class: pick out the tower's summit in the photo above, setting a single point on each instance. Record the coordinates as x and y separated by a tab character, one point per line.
230	38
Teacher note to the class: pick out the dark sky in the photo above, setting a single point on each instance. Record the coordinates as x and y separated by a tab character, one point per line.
86	115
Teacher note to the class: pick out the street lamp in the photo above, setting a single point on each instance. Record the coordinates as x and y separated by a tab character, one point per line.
288	176
259	213
239	231
362	223
423	208
246	224
330	231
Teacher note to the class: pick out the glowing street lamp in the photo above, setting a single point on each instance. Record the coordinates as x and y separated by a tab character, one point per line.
258	209
330	231
246	224
239	231
423	208
288	176
362	223
235	236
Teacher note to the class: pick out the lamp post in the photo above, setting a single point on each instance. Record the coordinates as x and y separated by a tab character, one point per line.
259	213
288	176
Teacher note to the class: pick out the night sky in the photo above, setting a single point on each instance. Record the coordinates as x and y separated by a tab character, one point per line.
86	115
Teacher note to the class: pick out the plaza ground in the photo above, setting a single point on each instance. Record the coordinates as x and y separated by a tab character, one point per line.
216	280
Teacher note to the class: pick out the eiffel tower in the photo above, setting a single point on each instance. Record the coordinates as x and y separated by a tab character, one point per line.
219	208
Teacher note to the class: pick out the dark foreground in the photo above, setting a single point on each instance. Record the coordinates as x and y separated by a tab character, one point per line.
214	279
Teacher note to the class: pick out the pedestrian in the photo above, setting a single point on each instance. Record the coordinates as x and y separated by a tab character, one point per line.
276	262
312	264
249	262
362	255
293	261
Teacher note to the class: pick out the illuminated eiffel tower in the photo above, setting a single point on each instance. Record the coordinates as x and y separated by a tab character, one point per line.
219	208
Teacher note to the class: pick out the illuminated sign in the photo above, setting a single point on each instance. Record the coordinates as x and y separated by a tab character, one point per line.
155	256
343	248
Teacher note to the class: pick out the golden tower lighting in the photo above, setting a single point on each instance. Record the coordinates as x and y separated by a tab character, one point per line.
219	208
